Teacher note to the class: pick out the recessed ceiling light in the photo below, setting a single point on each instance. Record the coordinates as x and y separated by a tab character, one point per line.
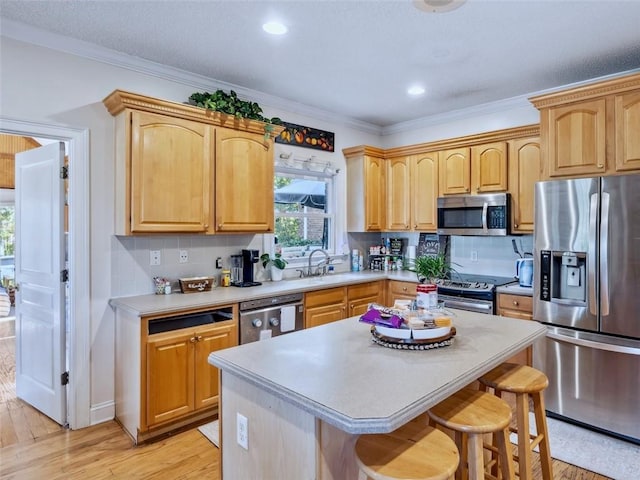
415	90
275	28
436	6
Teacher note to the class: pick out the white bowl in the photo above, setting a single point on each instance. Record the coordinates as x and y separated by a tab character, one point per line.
403	333
427	333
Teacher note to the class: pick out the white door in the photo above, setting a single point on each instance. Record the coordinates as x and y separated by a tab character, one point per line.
39	257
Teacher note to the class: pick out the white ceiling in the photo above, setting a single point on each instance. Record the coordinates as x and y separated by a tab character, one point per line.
357	58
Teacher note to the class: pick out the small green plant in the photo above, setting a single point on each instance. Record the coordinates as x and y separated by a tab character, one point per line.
431	267
277	260
229	103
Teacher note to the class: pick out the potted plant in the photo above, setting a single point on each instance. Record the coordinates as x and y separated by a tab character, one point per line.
432	267
277	264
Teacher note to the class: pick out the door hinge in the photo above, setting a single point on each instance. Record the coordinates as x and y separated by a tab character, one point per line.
64	172
64	378
64	275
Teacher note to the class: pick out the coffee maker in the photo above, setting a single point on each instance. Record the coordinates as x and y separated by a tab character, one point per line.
242	268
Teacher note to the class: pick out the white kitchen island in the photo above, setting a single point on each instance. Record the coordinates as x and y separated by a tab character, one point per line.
309	394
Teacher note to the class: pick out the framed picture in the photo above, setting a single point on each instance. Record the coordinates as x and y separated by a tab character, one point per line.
307	137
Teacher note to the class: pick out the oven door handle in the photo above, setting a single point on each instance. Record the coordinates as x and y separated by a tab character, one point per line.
474	307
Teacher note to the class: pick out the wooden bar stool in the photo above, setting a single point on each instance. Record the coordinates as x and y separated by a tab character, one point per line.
525	382
415	451
471	414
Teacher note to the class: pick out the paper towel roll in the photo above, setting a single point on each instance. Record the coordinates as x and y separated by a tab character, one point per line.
287	318
411	252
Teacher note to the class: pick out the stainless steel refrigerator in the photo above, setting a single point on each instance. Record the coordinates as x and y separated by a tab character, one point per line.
587	291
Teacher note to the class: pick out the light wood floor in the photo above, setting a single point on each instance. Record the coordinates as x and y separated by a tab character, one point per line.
34	447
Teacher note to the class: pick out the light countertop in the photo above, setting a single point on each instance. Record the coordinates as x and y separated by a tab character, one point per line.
336	372
515	289
151	304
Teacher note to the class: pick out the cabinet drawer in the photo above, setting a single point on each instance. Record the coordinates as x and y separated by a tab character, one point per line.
521	303
372	289
328	296
402	288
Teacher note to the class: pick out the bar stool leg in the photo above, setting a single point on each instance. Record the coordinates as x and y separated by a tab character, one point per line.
524	448
476	456
504	447
541	428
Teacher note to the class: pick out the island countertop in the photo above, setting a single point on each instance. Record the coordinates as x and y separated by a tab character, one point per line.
337	374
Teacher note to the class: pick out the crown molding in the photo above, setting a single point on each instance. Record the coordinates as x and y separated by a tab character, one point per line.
36	36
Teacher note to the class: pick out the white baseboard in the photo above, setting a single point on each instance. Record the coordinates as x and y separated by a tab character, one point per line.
103	412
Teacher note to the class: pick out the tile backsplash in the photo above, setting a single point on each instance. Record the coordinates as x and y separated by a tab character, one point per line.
488	255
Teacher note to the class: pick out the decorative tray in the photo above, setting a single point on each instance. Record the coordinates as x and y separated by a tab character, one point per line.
412	343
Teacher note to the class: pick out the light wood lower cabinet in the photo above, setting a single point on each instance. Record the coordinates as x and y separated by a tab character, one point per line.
163	380
332	304
521	307
397	290
360	296
325	306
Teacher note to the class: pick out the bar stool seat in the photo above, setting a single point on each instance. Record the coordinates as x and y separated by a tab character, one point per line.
471	414
415	451
525	382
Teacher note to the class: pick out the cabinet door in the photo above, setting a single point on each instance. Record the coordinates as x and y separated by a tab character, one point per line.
455	171
577	139
170	374
171	166
244	182
206	376
489	168
400	291
525	169
627	126
374	193
360	296
315	316
424	192
398	199
520	307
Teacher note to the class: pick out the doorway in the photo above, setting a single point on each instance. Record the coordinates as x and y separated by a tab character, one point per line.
78	339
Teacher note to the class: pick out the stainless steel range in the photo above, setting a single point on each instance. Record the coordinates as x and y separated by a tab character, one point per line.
475	293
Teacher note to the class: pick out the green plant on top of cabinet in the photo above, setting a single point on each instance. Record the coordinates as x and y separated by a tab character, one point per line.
412	186
366	189
184	169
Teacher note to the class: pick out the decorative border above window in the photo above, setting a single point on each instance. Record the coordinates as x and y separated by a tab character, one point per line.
307	137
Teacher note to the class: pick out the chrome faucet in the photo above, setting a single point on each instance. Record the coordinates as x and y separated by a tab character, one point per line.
323	264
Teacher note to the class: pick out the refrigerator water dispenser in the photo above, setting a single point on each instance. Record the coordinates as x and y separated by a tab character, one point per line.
563	277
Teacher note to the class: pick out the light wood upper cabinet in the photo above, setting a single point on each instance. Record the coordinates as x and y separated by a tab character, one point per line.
489	168
455	171
627	114
577	139
412	186
366	189
244	182
525	169
184	169
591	130
171	167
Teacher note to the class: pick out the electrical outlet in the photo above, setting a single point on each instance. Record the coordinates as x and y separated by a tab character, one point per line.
184	256
219	263
474	256
154	257
242	431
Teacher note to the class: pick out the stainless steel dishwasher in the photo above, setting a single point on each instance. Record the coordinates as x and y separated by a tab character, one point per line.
269	317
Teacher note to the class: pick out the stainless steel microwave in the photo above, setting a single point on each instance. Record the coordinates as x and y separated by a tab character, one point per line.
485	214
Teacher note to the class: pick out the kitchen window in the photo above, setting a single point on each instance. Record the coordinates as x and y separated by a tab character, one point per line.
304	207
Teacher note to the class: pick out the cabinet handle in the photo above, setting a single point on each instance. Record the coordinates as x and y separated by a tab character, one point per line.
404	289
199	338
515	225
600	165
515	302
193	340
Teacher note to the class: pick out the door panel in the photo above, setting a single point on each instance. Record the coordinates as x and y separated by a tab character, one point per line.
40	305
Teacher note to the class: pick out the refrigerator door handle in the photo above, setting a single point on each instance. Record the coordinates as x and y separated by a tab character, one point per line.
591	267
581	342
604	248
